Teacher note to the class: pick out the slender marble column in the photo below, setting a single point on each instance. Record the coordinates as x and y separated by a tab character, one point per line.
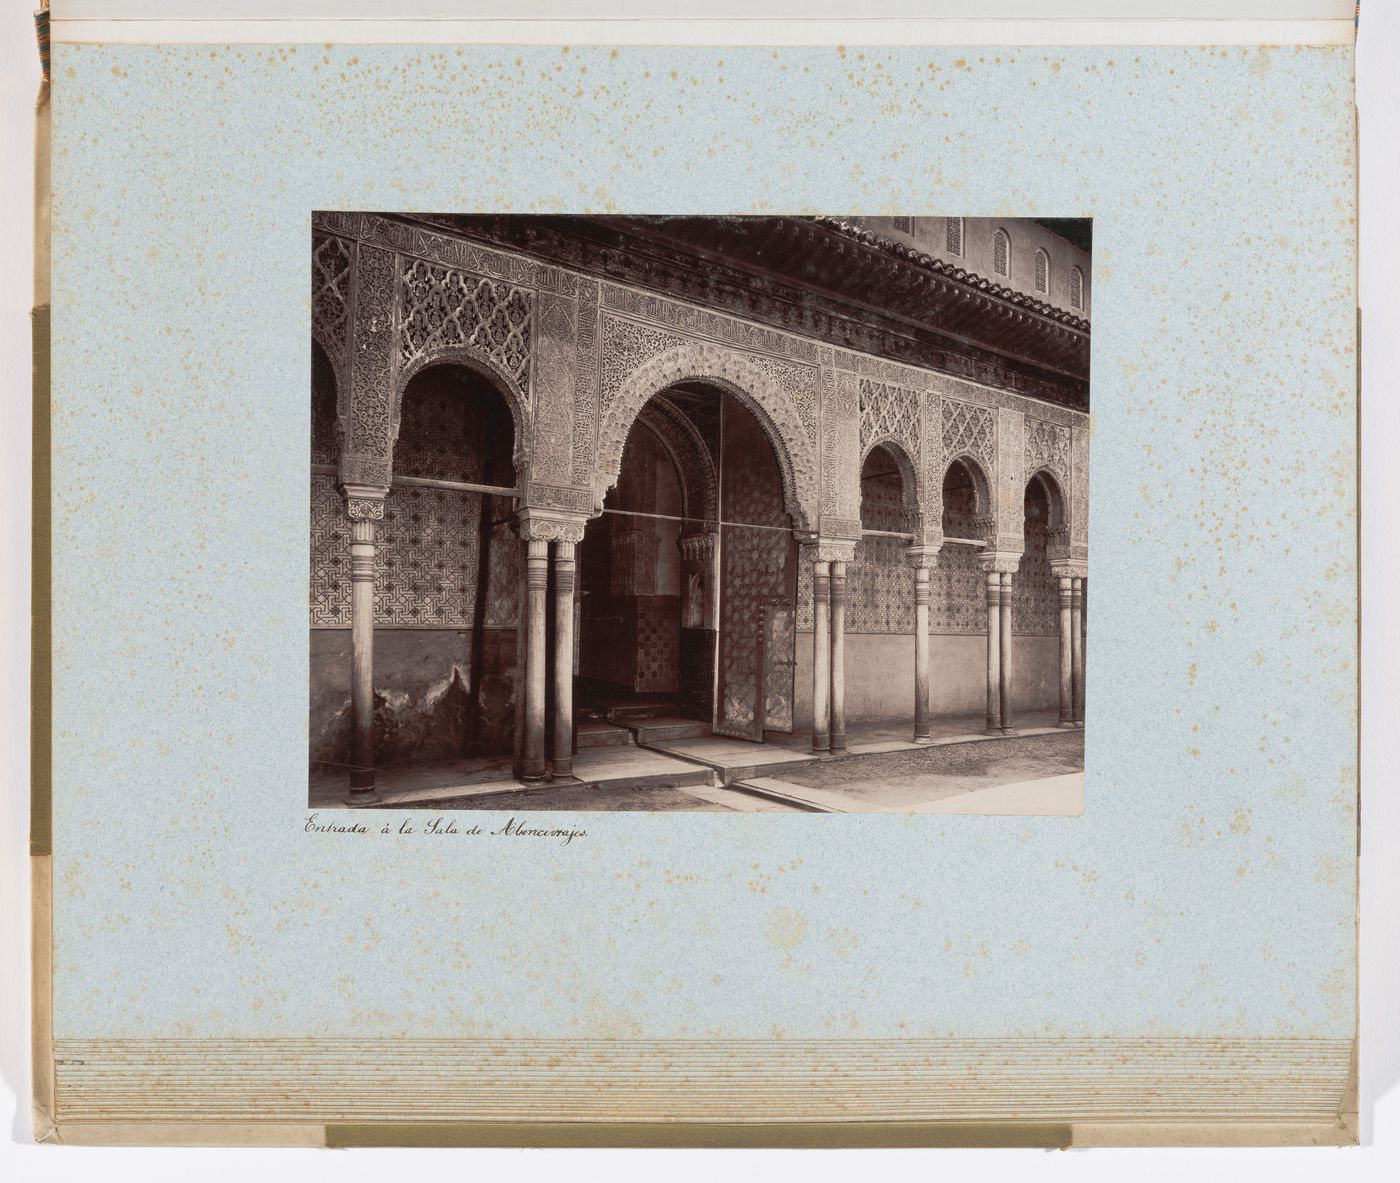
1077	643
363	507
536	583
1007	726
1066	651
563	754
821	656
838	658
362	661
921	726
993	653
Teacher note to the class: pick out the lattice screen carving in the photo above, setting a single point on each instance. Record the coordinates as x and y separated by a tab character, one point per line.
330	294
969	430
1047	446
444	308
890	412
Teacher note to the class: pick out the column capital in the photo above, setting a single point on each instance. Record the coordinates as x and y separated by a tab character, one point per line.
827	550
536	525
1069	569
922	556
364	503
1000	562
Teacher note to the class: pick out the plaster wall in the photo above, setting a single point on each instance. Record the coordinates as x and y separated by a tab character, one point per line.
422	683
880	676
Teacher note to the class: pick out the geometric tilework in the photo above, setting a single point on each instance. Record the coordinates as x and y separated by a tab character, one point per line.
428	552
658	644
879	583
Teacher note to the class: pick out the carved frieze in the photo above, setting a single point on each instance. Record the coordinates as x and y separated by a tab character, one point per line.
700	322
460	253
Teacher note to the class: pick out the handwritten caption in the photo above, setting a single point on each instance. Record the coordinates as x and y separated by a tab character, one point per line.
443	827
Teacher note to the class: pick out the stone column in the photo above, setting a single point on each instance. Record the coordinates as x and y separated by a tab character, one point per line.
562	763
921	560
536	584
993	653
1077	643
838	657
364	507
821	655
1066	651
1007	635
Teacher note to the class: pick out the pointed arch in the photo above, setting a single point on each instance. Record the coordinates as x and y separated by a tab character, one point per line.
976	519
912	490
736	374
1042	270
1055	496
1001	253
471	359
688	453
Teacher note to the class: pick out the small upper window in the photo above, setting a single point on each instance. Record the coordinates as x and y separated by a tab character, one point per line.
903	225
1042	271
954	235
1001	253
1076	288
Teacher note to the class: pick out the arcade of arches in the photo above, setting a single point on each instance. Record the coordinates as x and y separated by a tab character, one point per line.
794	538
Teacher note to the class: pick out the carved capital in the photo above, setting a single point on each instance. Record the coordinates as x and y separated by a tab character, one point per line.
921	557
1068	569
536	525
364	503
828	550
1001	562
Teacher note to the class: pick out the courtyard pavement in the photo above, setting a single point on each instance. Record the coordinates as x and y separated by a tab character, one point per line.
1036	771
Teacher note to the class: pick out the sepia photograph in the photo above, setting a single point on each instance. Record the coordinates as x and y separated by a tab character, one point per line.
718	513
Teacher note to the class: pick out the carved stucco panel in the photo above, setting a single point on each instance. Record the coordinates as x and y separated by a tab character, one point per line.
842	451
1010	481
586	384
551	460
1079	493
373	371
934	465
626	346
332	267
1048	447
